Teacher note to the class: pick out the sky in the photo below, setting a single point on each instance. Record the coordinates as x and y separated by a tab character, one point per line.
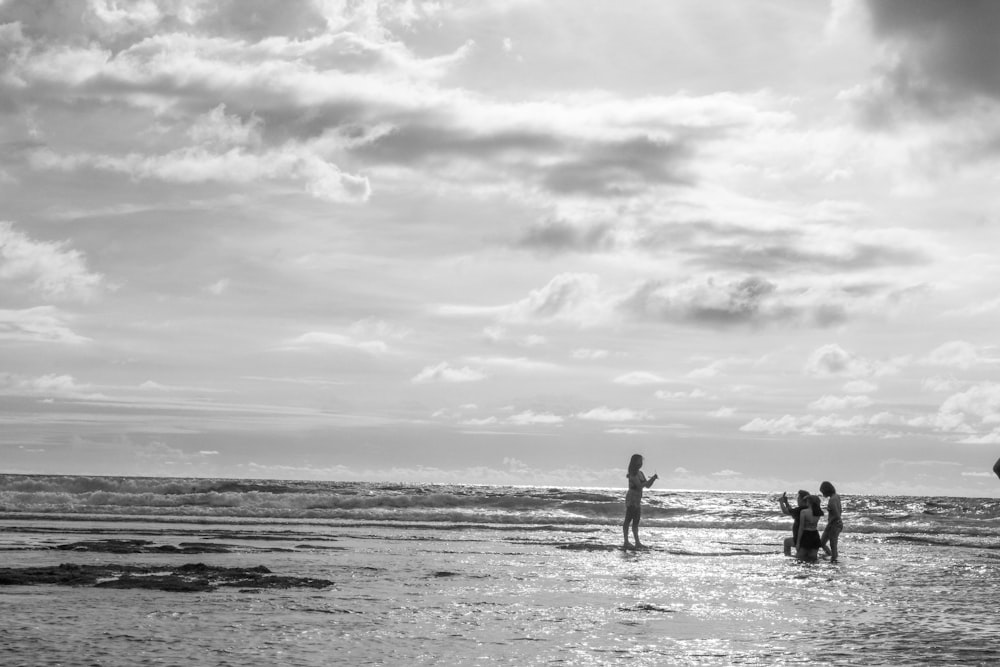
503	241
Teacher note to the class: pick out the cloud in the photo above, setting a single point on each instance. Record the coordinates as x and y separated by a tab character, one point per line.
569	297
834	361
219	287
196	164
446	373
860	387
321	93
707	302
47	268
521	364
606	414
498	334
220	130
578	298
980	401
941	384
942	54
557	236
528	418
314	339
639	378
806	425
42	324
715	368
671	395
50	385
840	403
959	354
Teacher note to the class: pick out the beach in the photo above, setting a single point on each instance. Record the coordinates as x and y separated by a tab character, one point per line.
434	574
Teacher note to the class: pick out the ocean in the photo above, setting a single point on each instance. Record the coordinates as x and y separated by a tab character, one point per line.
403	574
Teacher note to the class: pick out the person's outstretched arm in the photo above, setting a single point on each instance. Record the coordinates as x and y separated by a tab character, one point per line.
996	467
783	504
649	482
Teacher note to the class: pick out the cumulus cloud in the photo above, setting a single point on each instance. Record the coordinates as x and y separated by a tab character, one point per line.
960	355
971	416
49	269
981	401
316	92
444	372
806	425
751	300
710	302
834	361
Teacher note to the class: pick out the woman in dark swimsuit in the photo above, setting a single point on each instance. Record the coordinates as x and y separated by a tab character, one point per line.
809	541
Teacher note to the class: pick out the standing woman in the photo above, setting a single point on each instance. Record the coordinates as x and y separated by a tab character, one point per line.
809	542
633	499
834	522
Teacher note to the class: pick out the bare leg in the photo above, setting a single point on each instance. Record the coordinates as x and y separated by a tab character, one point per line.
635	533
834	542
789	543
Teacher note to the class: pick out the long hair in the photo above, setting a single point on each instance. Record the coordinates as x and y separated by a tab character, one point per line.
634	464
814	505
827	489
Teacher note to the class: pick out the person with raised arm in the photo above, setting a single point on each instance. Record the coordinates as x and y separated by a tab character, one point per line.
633	500
794	512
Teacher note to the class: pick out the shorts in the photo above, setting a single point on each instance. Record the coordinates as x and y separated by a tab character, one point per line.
810	540
633	512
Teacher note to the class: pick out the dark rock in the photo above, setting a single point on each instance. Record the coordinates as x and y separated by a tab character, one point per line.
191	577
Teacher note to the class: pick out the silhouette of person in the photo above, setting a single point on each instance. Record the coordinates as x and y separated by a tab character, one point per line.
809	541
633	499
834	522
794	512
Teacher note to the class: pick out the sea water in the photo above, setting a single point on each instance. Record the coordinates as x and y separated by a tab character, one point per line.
469	575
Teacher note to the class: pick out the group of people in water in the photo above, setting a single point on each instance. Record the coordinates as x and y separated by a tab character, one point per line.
805	540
